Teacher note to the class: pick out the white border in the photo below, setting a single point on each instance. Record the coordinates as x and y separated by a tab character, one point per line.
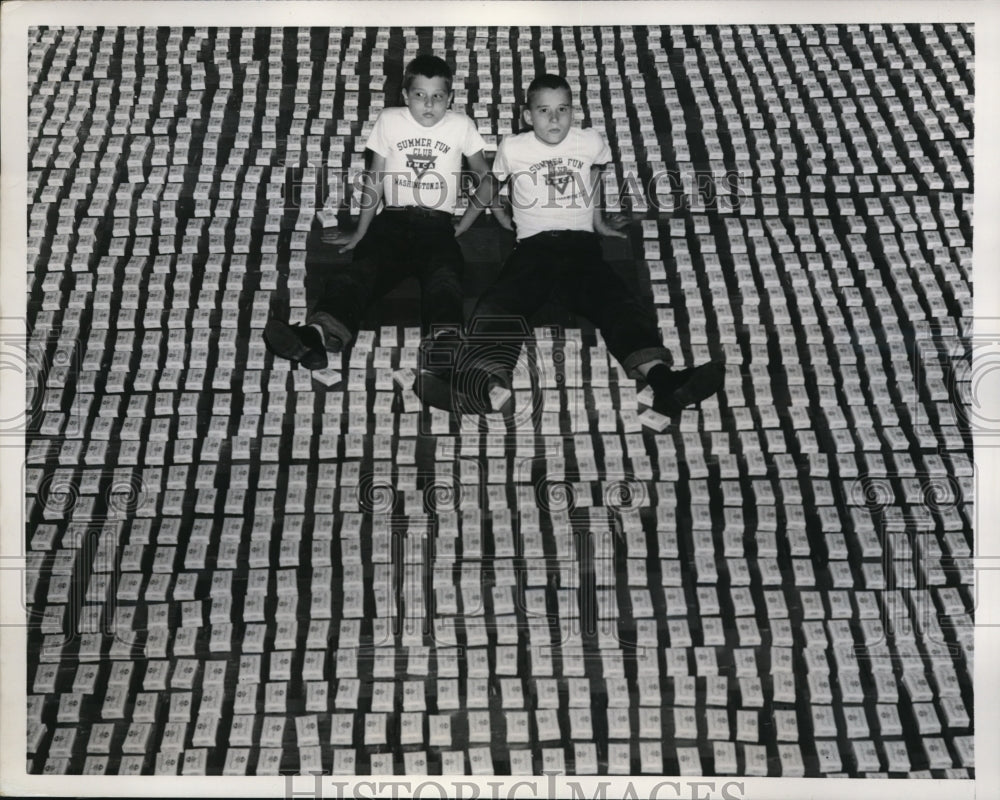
16	17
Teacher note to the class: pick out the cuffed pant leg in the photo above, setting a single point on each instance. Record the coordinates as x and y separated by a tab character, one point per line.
626	320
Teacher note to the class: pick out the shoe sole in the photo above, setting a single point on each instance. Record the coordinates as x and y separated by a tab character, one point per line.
282	340
439	391
705	381
434	390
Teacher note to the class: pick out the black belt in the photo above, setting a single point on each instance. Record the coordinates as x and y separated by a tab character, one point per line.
420	211
559	234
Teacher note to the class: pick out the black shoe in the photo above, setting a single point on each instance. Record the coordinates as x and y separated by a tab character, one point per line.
674	390
434	388
437	358
461	391
299	343
440	353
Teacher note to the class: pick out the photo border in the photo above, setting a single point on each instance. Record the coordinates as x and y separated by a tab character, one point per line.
17	17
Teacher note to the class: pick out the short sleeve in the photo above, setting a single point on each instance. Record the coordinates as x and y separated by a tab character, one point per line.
473	141
501	169
601	149
377	141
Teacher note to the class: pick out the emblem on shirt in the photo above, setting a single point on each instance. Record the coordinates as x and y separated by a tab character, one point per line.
420	163
558	176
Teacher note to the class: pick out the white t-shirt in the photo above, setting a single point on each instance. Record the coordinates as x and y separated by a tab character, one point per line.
550	184
423	165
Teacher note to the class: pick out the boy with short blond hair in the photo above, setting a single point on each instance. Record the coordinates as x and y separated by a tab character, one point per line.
553	172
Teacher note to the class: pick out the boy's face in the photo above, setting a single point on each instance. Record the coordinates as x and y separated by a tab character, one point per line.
427	99
550	114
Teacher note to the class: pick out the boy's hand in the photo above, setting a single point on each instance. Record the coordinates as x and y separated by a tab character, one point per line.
613	228
461	227
502	217
348	240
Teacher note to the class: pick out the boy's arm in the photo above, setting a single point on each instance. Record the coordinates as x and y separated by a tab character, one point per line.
500	212
371	196
483	195
601	226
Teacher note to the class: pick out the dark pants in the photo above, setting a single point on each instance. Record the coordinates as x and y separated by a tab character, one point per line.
566	266
399	243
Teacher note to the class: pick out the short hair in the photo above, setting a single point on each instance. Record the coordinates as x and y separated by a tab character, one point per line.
547	81
427	66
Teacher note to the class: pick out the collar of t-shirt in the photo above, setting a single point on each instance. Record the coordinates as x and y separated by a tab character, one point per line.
420	125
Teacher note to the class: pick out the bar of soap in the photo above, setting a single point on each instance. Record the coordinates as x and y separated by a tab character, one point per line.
652	419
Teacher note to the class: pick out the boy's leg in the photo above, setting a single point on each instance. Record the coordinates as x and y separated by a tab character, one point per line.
628	324
347	294
501	322
496	332
381	260
440	274
441	311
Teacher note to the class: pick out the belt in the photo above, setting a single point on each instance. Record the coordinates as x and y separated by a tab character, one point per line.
420	211
560	234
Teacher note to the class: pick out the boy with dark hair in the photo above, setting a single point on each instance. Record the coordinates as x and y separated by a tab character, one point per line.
553	172
416	166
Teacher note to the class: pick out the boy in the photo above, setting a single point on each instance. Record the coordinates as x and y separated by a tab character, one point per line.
553	172
416	165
